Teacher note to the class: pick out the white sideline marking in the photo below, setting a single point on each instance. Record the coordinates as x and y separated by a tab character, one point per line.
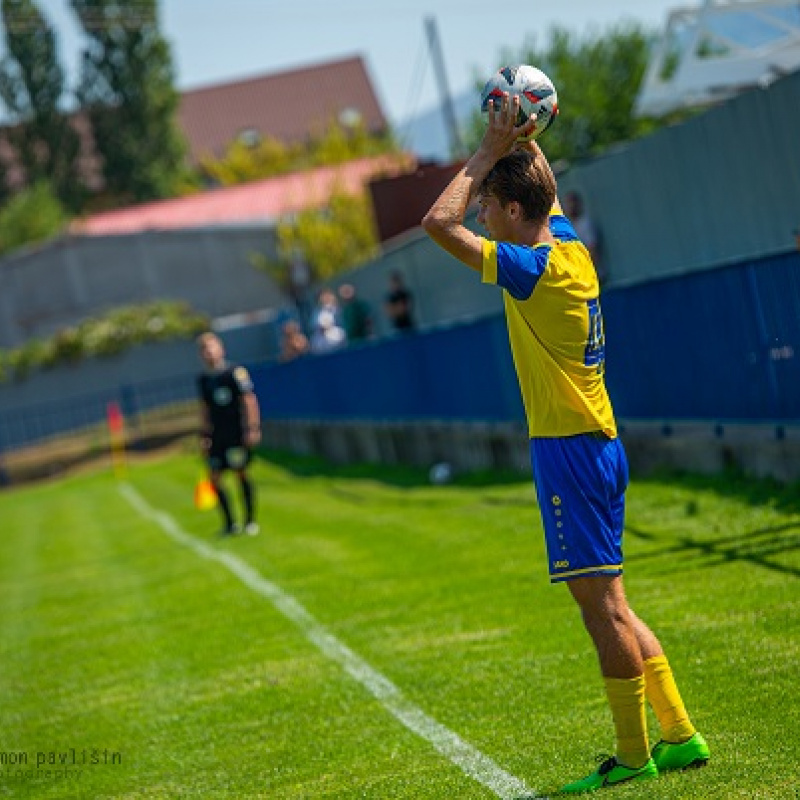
470	760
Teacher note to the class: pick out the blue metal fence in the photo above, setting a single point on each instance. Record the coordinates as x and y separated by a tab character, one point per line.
722	345
25	426
461	372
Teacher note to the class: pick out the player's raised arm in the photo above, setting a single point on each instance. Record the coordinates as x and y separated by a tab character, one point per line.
444	222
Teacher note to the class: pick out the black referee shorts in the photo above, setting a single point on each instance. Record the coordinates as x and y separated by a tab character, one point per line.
228	455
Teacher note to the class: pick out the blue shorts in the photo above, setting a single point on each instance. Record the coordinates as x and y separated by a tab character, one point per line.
580	484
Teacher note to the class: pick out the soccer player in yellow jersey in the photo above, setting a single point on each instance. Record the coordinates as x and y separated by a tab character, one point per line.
555	327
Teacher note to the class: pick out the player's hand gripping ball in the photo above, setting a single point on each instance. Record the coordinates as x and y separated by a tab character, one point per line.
536	92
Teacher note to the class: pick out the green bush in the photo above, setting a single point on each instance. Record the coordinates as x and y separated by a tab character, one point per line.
115	332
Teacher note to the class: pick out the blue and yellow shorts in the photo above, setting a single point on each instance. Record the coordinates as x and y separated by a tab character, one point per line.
580	484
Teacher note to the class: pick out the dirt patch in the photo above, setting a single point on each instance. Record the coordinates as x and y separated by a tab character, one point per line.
90	449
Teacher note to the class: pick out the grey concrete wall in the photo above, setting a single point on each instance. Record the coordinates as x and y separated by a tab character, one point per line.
761	451
49	287
444	290
157	363
466	446
720	188
723	187
147	362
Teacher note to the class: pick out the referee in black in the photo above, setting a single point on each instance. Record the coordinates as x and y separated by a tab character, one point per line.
231	427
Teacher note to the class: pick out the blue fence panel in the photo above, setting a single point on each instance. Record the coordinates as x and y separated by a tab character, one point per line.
462	372
722	344
777	283
26	426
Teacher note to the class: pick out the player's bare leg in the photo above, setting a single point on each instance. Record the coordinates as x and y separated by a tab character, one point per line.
681	745
610	623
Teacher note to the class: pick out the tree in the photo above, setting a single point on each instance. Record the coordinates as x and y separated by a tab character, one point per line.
264	158
244	161
32	87
33	215
127	90
597	78
330	239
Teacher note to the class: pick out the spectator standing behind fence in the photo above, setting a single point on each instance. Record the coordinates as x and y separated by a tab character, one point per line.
231	427
399	304
300	287
356	314
575	211
326	304
328	335
294	343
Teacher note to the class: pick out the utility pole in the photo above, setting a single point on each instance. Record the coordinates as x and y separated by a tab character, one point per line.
450	122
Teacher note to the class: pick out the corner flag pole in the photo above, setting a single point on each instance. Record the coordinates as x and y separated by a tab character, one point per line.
116	437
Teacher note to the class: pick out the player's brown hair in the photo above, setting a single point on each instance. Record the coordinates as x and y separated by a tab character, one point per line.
525	178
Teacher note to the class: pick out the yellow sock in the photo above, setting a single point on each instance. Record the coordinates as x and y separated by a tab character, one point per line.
626	698
663	694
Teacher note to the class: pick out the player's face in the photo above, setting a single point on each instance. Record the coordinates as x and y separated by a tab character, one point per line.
212	353
494	218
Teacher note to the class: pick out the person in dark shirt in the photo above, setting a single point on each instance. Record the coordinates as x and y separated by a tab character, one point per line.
356	314
230	427
399	304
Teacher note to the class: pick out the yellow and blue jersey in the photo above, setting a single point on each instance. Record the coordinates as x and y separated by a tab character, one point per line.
555	326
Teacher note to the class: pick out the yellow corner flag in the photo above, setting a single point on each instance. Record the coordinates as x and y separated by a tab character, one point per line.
205	498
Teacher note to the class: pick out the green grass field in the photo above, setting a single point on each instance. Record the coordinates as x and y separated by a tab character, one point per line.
163	675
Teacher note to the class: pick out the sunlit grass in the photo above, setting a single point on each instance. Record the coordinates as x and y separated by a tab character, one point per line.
117	640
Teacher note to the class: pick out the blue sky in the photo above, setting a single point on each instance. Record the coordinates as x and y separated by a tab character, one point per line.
214	41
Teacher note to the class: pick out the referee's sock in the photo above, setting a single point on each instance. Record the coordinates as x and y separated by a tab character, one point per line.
225	506
249	497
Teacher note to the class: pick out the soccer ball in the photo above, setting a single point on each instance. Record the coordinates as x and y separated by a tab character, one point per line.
536	92
440	473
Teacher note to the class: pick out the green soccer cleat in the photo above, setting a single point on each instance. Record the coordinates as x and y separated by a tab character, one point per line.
610	773
693	752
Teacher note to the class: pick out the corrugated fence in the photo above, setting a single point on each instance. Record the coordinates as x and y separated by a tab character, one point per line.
721	345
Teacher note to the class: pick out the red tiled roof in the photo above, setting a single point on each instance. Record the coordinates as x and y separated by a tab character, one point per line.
258	201
285	105
288	106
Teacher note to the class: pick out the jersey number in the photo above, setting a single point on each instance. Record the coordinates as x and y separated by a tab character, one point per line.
595	353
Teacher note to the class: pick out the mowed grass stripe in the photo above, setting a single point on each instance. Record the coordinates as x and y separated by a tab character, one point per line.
441	589
474	763
139	648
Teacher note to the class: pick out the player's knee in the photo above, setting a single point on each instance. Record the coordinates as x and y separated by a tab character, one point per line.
600	594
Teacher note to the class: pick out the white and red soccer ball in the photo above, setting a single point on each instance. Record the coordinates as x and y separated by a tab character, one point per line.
536	92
